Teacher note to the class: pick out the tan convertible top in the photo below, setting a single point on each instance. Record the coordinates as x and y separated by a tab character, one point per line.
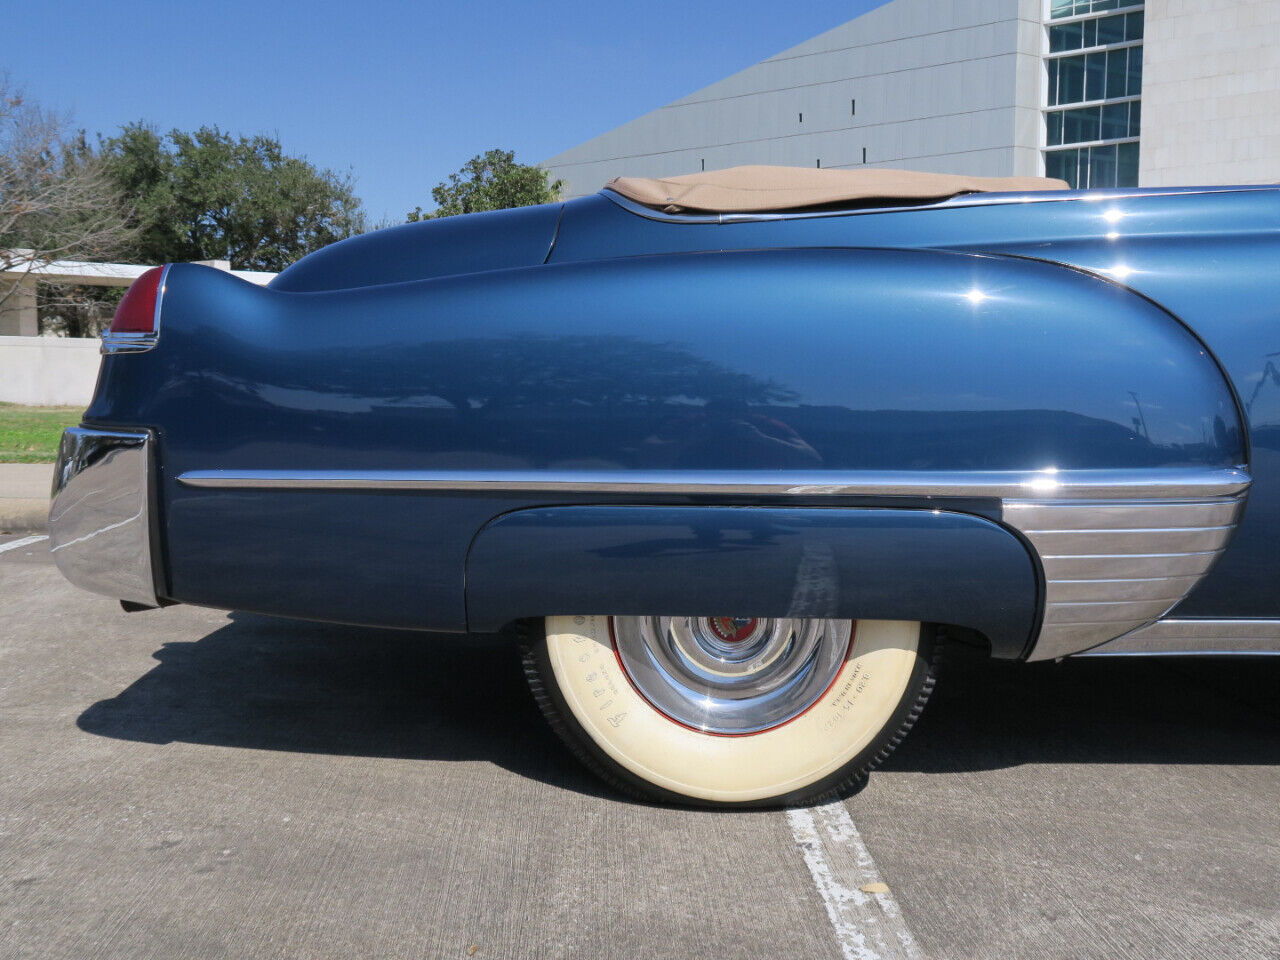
756	189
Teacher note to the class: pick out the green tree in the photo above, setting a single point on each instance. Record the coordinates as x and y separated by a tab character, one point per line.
210	196
491	181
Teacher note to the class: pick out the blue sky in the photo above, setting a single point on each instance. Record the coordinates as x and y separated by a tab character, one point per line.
399	93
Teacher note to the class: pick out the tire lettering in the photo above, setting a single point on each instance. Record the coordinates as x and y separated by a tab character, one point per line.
843	703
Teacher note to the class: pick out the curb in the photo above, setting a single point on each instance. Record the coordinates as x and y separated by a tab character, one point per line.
23	515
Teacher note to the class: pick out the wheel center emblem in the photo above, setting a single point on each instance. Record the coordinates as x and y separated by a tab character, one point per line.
733	629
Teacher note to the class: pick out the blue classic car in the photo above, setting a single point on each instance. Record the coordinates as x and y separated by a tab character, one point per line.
731	456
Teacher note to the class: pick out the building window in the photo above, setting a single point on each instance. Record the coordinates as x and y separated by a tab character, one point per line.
1106	121
1106	165
1082	34
1094	75
1103	75
1074	8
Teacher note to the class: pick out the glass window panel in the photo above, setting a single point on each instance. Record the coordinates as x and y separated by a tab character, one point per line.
1133	26
1062	8
1054	134
1127	164
1135	71
1135	117
1065	37
1110	30
1095	75
1117	72
1102	166
1115	121
1090	37
1080	126
1061	164
1070	80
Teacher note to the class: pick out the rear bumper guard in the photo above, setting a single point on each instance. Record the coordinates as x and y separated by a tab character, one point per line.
102	518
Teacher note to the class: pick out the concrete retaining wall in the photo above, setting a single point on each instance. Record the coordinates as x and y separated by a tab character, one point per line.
48	371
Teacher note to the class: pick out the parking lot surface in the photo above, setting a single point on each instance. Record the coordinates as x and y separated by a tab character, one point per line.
188	783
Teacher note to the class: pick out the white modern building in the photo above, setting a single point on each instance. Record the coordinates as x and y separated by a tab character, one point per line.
59	371
1097	92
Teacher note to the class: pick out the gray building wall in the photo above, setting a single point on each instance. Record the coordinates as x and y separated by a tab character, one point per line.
953	87
1210	93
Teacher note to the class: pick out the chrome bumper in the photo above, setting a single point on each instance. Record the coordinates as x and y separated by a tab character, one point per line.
101	525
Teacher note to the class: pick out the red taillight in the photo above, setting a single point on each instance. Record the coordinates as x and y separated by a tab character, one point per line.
137	310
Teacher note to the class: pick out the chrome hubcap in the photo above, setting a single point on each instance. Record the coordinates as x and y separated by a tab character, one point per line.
731	674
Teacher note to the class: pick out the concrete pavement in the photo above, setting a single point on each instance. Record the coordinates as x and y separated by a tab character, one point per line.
187	783
24	496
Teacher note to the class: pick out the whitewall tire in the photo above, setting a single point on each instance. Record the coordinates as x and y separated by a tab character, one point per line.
729	712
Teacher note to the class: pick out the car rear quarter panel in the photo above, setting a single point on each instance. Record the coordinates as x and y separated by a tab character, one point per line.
822	361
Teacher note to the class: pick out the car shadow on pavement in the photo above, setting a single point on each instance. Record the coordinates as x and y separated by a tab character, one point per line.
271	684
1134	710
266	683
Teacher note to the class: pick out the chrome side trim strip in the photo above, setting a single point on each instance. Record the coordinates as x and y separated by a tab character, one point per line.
100	517
1111	484
1175	637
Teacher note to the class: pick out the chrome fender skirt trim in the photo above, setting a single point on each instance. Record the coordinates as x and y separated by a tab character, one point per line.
1195	637
1111	566
100	519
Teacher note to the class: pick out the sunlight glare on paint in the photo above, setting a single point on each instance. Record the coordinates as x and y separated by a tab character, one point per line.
975	296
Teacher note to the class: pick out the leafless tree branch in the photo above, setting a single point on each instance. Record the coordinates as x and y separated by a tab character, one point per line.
57	200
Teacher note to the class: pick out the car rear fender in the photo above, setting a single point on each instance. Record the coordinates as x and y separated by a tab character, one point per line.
883	564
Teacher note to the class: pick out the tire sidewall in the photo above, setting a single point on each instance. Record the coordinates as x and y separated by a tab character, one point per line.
827	749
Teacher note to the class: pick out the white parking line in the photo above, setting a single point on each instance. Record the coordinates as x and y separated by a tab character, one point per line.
25	541
866	918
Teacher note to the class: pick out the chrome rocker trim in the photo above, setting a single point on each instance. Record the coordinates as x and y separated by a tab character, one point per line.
1119	549
100	519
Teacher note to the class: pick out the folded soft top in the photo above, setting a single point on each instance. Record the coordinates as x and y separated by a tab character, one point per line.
759	188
